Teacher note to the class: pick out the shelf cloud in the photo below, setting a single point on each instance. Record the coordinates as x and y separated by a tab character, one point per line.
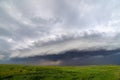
46	27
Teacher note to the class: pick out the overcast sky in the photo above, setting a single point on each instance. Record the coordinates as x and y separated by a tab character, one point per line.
40	27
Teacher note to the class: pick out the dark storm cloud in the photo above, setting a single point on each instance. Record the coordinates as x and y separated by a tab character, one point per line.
74	57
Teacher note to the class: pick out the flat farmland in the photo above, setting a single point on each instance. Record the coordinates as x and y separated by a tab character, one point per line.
28	72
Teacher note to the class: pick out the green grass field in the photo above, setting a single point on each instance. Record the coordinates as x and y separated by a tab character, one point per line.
25	72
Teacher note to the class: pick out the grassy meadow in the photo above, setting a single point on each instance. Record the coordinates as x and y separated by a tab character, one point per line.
27	72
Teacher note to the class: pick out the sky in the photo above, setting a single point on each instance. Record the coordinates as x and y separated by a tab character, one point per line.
31	28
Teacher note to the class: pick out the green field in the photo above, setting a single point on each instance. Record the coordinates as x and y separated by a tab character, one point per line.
25	72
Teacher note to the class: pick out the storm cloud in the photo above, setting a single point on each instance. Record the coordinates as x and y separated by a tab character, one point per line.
73	57
47	27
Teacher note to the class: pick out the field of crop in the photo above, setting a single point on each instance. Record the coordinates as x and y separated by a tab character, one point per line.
25	72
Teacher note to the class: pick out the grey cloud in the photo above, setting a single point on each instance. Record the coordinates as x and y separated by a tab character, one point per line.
49	27
74	57
4	49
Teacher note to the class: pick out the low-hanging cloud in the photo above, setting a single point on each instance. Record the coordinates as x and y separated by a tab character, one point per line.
40	27
73	57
